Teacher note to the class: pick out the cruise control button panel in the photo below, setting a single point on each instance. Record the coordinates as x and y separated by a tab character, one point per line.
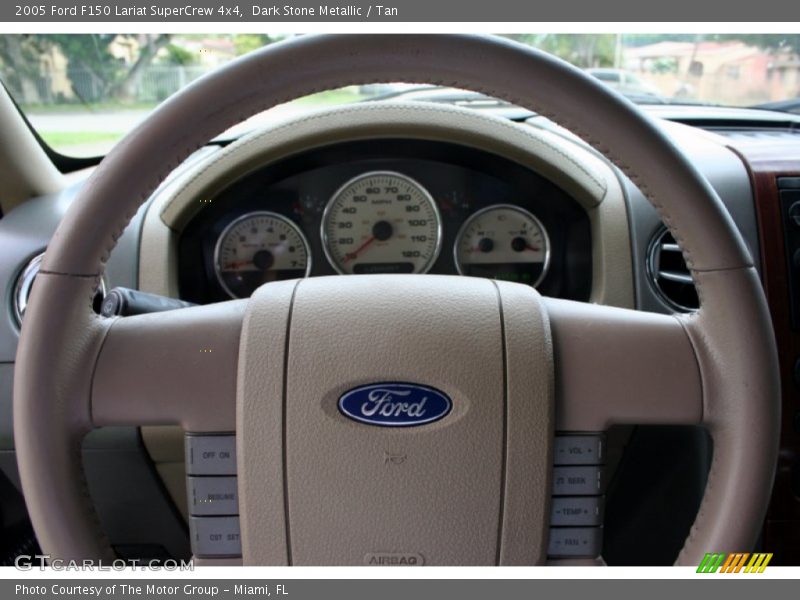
213	495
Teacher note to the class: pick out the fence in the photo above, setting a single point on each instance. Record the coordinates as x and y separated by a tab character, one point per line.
79	85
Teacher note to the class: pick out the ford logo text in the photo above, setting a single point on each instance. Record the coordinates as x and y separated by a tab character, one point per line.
394	404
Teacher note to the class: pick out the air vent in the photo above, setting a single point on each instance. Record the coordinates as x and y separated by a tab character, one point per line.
22	289
669	275
24	285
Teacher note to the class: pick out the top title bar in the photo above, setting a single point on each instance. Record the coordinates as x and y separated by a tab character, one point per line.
387	11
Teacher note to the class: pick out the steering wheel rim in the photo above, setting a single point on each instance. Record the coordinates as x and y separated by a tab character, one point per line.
56	399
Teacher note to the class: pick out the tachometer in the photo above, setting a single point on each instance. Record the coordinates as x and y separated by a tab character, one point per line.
381	222
503	242
257	248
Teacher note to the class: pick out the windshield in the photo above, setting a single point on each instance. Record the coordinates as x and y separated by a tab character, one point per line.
82	93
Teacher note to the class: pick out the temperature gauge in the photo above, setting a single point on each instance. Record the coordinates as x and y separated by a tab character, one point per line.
257	248
503	242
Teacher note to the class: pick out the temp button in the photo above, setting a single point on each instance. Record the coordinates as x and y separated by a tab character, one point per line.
576	511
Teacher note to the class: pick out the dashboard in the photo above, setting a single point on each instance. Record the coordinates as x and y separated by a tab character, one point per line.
595	245
386	206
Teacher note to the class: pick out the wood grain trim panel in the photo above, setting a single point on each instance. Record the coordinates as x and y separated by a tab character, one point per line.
766	162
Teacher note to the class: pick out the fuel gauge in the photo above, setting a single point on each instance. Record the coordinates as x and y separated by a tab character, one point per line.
257	248
505	242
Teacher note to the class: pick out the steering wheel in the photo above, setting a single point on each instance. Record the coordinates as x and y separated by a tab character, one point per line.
473	488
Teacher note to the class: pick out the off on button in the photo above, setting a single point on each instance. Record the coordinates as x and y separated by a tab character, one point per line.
210	455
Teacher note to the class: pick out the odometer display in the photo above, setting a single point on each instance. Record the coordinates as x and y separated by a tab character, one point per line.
381	222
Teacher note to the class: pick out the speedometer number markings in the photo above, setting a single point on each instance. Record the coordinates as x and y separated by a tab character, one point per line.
381	222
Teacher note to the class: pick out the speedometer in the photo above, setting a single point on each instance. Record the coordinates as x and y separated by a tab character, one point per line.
381	222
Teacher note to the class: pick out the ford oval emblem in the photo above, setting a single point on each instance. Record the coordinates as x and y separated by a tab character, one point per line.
394	404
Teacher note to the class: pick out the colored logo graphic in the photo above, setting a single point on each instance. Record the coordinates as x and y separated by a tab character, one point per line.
722	562
394	404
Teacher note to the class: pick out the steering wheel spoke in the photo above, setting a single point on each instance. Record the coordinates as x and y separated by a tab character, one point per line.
619	366
175	367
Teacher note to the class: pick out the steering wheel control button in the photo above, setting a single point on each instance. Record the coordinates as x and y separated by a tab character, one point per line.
213	496
577	481
210	455
578	450
575	542
214	537
577	511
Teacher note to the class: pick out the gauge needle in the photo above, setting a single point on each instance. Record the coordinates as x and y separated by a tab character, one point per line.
534	248
354	254
237	265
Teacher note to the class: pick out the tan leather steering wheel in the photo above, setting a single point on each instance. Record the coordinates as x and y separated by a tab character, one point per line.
542	363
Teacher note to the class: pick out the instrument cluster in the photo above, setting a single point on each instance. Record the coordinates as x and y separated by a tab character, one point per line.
387	206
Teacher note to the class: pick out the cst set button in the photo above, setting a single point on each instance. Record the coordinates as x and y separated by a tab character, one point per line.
215	536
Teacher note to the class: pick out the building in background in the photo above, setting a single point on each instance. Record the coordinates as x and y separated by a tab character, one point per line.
717	72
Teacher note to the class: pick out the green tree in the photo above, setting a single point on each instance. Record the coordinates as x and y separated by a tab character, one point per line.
178	55
91	54
21	62
247	42
582	50
149	45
